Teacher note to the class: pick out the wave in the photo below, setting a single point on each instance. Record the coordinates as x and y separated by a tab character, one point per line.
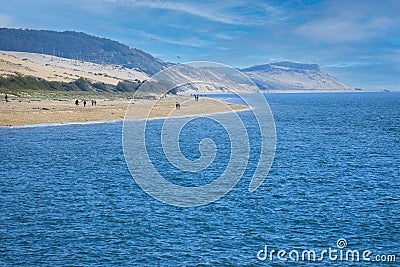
57	124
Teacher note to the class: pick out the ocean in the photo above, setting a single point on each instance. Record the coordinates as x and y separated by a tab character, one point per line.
67	197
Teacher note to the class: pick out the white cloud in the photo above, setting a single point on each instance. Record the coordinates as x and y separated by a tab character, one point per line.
192	42
350	21
227	12
339	29
350	64
200	11
6	20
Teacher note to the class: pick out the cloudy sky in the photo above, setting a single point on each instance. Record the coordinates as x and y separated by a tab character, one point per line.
356	41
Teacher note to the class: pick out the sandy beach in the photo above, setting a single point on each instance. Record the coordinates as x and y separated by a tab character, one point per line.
22	111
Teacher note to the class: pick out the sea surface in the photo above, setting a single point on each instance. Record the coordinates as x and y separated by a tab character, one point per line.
67	197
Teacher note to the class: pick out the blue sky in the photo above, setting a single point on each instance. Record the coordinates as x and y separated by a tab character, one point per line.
356	41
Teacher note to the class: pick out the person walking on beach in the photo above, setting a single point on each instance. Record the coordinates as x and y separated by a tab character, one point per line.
92	102
177	106
6	98
76	102
84	103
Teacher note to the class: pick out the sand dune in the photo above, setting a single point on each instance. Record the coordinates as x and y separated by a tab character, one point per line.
63	70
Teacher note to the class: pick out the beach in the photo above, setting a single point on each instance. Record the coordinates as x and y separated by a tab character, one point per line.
34	110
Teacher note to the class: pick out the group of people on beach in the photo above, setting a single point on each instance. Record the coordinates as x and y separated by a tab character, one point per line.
94	102
196	98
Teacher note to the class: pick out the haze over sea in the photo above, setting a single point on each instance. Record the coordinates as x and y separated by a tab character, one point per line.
67	197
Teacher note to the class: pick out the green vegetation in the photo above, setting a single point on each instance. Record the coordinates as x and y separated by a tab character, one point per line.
26	86
158	87
78	46
127	86
12	84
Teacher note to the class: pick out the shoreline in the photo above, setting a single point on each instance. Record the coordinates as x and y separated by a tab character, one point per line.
68	123
318	91
277	91
31	112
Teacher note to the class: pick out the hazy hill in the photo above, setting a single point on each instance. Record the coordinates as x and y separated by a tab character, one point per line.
293	76
79	46
277	76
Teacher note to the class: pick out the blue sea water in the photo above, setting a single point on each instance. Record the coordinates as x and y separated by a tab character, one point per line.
68	199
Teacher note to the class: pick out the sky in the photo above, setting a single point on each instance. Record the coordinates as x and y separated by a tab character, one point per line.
357	41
